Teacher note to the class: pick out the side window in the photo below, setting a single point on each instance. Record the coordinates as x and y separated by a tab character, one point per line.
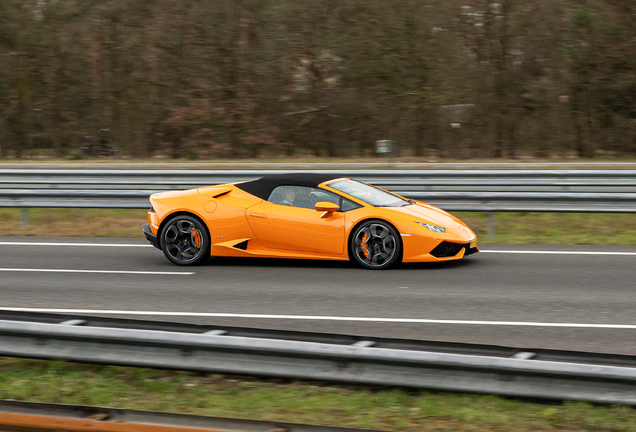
294	196
347	205
305	197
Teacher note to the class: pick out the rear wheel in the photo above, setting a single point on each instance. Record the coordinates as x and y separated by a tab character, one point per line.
185	241
375	244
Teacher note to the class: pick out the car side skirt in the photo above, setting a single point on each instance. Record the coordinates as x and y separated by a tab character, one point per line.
231	251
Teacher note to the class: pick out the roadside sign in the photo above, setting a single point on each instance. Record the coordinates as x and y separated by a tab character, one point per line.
384	146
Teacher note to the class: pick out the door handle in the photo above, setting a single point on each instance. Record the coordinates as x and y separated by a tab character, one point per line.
259	215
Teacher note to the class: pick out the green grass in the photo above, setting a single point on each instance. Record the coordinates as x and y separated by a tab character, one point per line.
556	228
530	228
301	402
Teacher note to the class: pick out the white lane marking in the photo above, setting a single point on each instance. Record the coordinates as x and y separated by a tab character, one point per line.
93	271
322	318
74	244
546	252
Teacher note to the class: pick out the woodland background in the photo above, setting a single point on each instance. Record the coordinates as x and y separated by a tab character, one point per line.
267	78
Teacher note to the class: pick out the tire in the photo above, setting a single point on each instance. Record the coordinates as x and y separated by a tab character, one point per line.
375	245
185	241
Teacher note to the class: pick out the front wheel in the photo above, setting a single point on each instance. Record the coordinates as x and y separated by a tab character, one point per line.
375	244
185	241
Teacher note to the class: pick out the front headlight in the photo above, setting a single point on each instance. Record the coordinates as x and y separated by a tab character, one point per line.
434	228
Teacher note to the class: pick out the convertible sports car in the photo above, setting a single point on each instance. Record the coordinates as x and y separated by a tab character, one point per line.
306	216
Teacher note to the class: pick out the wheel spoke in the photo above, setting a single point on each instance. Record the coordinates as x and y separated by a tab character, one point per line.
172	234
385	256
175	251
184	227
179	248
388	244
191	251
379	231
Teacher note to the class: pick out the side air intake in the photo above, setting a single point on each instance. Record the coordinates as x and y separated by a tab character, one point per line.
242	245
447	249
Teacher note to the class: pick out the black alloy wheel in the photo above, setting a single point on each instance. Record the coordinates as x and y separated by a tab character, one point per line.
185	241
375	244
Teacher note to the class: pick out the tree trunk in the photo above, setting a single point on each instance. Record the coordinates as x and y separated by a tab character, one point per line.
96	76
419	148
151	138
498	153
330	145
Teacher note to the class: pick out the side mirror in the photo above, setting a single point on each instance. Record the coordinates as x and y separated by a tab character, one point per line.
327	207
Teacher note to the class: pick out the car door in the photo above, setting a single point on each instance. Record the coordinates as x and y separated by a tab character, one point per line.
290	221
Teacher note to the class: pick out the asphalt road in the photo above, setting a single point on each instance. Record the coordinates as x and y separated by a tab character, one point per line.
560	297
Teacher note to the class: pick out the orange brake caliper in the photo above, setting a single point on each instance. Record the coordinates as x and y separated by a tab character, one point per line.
365	246
196	238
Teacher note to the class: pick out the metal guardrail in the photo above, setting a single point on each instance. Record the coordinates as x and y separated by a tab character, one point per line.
36	417
10	314
454	190
361	362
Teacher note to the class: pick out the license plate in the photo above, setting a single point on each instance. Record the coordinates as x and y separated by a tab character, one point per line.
473	244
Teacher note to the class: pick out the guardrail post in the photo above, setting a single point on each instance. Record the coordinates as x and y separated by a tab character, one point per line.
490	222
25	217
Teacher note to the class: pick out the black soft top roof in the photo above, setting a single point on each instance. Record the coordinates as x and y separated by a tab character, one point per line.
264	186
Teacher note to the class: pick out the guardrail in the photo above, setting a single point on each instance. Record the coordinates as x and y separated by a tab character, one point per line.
418	179
603	380
17	314
465	188
486	190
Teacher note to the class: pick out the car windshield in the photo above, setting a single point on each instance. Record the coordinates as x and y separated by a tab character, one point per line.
369	194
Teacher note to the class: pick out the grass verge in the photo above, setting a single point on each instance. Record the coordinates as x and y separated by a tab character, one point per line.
66	222
556	228
300	402
529	228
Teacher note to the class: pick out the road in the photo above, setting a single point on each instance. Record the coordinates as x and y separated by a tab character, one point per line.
559	297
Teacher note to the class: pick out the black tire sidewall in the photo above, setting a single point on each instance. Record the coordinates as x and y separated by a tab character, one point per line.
398	244
205	239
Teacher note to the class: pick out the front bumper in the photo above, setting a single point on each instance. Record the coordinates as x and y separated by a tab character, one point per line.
150	236
437	250
449	250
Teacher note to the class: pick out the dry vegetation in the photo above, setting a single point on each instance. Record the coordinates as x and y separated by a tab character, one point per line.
266	78
74	223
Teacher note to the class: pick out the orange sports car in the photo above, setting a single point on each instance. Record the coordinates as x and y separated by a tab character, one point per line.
304	216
